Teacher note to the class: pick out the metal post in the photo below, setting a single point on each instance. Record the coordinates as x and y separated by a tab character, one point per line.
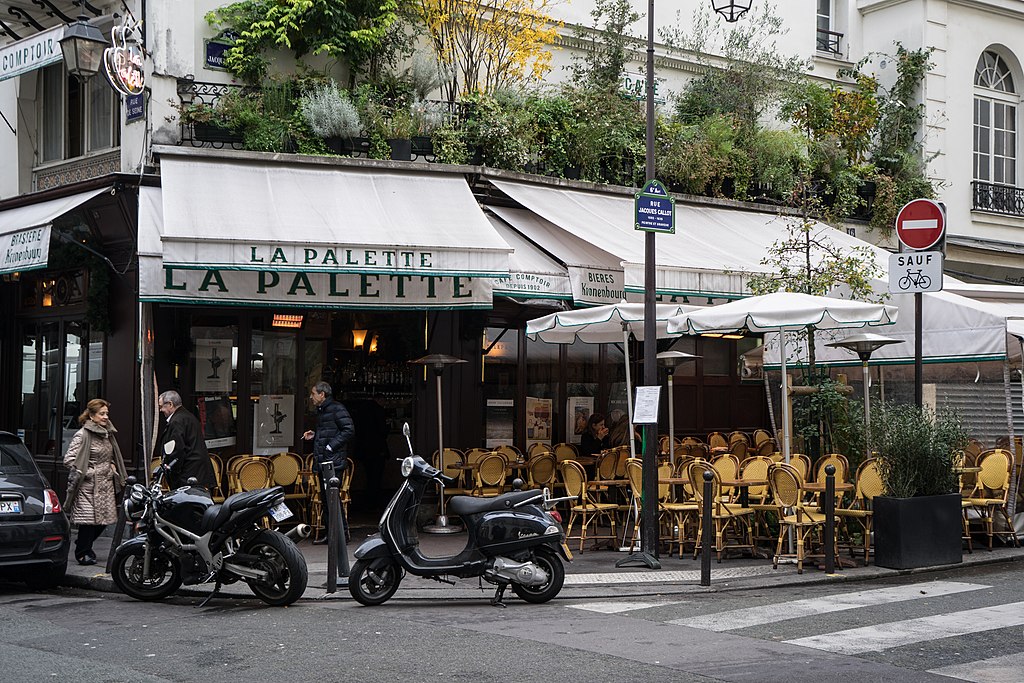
708	530
867	409
121	521
671	420
918	352
829	510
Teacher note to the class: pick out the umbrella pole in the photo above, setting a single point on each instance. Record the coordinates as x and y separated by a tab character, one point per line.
671	421
785	413
629	391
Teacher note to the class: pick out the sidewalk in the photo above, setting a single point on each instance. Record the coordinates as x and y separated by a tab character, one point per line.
591	574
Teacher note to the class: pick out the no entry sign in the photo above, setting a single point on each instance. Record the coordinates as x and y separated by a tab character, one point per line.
920	224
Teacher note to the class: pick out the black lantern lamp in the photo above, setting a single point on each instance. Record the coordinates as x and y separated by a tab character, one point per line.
732	10
438	362
82	47
864	344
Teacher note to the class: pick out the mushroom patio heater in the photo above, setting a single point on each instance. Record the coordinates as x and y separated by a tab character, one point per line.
438	362
671	360
864	344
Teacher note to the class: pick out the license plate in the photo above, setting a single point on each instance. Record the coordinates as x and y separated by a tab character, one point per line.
565	549
10	507
280	512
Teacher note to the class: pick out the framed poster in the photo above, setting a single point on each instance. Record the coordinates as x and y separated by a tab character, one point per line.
273	426
218	421
213	366
538	421
500	422
577	414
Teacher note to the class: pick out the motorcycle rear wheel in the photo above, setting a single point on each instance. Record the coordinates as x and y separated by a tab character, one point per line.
284	564
127	572
548	560
373	582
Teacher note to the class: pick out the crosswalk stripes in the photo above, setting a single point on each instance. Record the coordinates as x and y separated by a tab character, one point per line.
795	609
1003	669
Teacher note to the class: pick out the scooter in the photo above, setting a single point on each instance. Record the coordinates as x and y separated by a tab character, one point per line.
512	541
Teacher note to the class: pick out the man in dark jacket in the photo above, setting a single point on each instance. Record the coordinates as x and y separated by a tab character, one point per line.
188	452
334	432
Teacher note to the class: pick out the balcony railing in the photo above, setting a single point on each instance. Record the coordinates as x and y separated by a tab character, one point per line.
830	41
1005	199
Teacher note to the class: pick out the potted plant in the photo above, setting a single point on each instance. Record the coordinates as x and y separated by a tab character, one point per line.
330	114
427	117
918	521
397	129
206	121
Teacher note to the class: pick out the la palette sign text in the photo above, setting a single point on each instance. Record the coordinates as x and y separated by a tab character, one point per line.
123	63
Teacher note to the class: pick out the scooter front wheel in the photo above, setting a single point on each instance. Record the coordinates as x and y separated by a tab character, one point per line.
372	582
549	561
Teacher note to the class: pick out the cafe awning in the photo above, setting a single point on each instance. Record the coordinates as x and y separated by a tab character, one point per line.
25	231
240	229
533	274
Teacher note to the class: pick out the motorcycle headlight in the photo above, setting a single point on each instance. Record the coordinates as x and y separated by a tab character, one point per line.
407	465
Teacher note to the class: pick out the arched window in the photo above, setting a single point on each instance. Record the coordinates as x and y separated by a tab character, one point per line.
995	121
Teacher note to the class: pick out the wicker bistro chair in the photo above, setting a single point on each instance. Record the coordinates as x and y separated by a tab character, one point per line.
585	510
717	440
287	473
725	516
473	455
537	447
868	485
991	494
542	471
316	507
680	516
759	497
251	473
565	451
738	436
802	463
837	460
511	453
217	494
787	492
760	436
452	457
489	475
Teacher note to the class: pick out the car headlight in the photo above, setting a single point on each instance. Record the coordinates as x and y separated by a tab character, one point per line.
407	466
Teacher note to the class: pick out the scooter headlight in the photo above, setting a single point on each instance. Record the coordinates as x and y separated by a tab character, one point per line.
407	465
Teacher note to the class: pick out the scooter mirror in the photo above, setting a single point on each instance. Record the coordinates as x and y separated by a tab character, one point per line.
169	447
408	441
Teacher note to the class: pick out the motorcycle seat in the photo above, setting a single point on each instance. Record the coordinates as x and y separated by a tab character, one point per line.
468	505
215	515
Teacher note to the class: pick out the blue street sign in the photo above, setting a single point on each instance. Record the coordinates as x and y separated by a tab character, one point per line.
134	107
655	209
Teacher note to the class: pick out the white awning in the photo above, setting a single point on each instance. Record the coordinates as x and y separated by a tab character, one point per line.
708	255
595	275
532	273
25	231
239	230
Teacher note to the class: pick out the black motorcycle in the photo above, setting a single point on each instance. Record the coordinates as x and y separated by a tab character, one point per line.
513	541
184	537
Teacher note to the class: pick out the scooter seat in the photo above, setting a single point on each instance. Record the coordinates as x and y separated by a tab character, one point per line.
468	505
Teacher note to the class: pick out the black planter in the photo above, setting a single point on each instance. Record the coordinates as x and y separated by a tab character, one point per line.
401	149
918	532
422	146
208	132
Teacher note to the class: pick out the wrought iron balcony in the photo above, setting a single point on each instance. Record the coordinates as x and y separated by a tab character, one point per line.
1005	199
830	41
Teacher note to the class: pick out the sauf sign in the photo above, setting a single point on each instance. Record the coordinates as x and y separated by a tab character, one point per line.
920	225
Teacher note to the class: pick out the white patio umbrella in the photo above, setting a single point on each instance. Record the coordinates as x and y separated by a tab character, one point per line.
782	312
603	325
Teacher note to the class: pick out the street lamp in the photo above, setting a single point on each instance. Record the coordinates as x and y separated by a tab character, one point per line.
671	360
82	48
732	10
864	344
438	362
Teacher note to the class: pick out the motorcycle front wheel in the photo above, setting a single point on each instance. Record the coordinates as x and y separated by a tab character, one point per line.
372	582
548	560
285	567
128	572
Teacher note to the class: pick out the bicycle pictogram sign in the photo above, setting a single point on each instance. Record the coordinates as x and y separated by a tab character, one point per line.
912	272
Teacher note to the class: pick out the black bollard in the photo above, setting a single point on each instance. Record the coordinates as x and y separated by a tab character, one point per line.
333	537
121	521
828	508
708	527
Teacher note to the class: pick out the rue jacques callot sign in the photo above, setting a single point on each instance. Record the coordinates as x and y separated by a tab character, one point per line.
655	209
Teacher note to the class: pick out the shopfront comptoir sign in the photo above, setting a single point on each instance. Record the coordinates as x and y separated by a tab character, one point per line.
123	63
33	52
25	249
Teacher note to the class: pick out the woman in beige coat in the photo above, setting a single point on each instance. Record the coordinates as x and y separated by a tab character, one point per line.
97	475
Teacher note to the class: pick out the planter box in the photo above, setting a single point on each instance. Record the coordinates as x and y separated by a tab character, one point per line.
917	532
208	132
401	149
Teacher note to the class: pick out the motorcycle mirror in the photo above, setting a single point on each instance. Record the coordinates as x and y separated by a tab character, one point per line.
169	447
405	431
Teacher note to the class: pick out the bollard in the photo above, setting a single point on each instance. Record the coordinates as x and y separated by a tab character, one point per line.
829	510
121	521
333	537
708	527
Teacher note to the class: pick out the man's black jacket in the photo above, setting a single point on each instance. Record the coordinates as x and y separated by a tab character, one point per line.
334	433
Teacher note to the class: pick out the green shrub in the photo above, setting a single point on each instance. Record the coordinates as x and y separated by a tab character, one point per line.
916	449
329	112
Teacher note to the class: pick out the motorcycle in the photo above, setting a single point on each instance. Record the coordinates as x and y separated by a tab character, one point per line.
512	541
184	537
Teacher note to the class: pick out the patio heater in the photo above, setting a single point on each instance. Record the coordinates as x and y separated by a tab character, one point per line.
438	362
864	344
672	360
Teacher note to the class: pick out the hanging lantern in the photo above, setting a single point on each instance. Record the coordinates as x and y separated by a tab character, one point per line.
732	10
82	48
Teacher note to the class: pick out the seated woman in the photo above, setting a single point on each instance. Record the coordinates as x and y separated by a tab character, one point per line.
595	436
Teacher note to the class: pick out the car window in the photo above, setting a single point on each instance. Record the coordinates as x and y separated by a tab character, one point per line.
15	459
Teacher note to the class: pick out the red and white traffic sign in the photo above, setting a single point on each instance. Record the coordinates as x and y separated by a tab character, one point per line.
920	224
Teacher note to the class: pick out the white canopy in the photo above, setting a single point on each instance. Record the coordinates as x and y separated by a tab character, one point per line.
532	273
601	324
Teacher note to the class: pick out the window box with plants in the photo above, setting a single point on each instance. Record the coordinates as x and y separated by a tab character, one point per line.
207	123
918	522
331	114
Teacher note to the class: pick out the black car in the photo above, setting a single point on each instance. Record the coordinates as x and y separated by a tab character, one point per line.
34	533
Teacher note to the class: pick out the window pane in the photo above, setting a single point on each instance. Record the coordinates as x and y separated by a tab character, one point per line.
717	360
52	114
75	397
101	105
541	390
500	367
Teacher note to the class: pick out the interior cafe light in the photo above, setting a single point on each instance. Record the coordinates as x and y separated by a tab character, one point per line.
280	320
358	338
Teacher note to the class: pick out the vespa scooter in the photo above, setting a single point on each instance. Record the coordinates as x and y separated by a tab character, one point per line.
512	541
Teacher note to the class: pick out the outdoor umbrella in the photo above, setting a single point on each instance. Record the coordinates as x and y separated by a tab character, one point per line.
782	312
602	325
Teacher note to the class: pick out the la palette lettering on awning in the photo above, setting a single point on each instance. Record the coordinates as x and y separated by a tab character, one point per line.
335	257
316	288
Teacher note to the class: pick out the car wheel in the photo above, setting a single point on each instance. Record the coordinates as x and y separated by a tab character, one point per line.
47	578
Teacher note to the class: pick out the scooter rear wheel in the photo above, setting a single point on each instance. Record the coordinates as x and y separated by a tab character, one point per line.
548	560
372	582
